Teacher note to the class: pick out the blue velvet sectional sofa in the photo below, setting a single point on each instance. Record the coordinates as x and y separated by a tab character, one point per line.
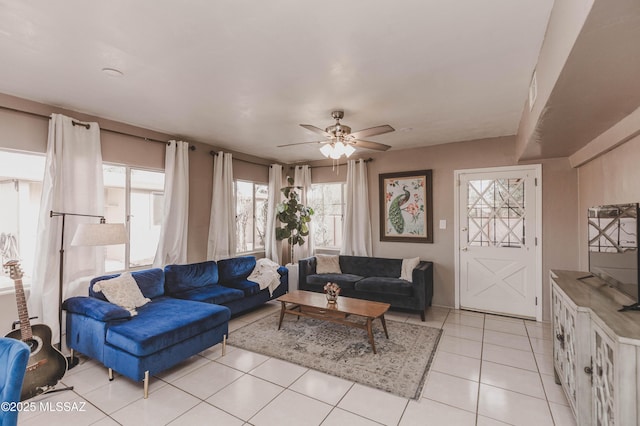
374	278
189	312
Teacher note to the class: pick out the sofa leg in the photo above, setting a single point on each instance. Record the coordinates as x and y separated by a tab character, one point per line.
422	315
224	345
146	384
111	374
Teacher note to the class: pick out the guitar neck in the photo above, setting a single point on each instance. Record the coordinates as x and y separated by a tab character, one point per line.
23	314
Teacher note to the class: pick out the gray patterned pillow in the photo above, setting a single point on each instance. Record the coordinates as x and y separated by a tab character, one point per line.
122	291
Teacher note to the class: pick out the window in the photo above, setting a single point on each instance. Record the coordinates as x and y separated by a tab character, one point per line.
21	177
251	215
138	195
327	202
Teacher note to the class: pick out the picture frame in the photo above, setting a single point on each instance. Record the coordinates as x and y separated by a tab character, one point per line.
406	206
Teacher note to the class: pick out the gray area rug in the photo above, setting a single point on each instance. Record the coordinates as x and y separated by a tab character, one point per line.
400	366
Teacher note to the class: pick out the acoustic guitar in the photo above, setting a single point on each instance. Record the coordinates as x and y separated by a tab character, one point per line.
46	364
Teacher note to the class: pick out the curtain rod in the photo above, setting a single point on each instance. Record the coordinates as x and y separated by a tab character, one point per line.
339	165
215	154
87	125
191	147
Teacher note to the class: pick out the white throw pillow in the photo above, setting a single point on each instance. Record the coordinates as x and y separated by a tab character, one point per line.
122	291
327	264
408	265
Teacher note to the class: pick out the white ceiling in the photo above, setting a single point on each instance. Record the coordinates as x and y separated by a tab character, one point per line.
243	74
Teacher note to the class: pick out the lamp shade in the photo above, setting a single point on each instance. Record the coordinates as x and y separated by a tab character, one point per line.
99	234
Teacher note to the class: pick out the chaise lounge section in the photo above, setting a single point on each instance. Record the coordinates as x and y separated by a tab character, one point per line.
164	332
373	278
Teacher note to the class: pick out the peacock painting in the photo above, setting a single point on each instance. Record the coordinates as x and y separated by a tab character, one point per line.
404	206
395	210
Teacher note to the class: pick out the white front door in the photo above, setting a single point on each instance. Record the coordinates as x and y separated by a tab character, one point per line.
498	264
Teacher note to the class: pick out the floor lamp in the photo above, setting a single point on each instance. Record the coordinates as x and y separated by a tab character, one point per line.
87	234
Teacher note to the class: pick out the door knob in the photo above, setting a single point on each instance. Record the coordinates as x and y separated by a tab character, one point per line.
465	248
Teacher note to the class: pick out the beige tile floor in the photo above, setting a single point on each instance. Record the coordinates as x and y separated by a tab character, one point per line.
488	370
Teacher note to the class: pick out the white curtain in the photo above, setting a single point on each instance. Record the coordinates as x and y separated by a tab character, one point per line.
172	247
272	247
222	225
302	177
356	232
72	184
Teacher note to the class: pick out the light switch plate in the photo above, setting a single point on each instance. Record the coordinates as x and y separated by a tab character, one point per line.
443	224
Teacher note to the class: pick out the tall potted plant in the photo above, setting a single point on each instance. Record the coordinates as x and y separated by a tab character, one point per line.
293	216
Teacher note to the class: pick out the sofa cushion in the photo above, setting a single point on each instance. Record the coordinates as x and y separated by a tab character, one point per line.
211	294
249	288
163	323
237	268
345	281
385	285
180	278
95	308
371	266
150	282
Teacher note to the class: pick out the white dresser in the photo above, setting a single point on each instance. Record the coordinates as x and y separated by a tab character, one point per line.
596	349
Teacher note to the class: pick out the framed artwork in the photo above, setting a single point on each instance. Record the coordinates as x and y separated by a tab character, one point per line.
406	207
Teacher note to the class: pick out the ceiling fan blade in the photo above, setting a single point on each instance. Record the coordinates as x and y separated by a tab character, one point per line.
371	145
316	130
372	131
301	143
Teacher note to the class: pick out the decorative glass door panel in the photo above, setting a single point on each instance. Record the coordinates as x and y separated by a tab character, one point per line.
495	212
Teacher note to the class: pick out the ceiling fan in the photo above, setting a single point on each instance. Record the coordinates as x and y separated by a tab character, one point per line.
340	141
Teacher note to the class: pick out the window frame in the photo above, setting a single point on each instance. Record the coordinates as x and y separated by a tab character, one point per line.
127	214
10	289
253	209
343	206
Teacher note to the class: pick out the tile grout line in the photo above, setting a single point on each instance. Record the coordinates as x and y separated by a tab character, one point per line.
546	397
480	369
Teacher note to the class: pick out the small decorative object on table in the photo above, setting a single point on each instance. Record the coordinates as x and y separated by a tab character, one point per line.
332	290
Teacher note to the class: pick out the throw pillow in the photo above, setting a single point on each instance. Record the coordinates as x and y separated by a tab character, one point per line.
122	291
327	264
408	265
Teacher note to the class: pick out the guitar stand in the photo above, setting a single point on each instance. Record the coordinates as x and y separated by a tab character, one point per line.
52	390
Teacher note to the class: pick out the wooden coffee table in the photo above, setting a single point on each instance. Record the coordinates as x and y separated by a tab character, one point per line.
315	305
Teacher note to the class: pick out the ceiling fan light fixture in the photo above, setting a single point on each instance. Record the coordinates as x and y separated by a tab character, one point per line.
335	154
339	140
348	150
326	150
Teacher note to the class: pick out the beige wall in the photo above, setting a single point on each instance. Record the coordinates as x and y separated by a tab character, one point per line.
559	222
559	199
611	178
443	160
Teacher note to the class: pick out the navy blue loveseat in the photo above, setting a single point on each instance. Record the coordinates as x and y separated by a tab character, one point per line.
189	312
374	278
